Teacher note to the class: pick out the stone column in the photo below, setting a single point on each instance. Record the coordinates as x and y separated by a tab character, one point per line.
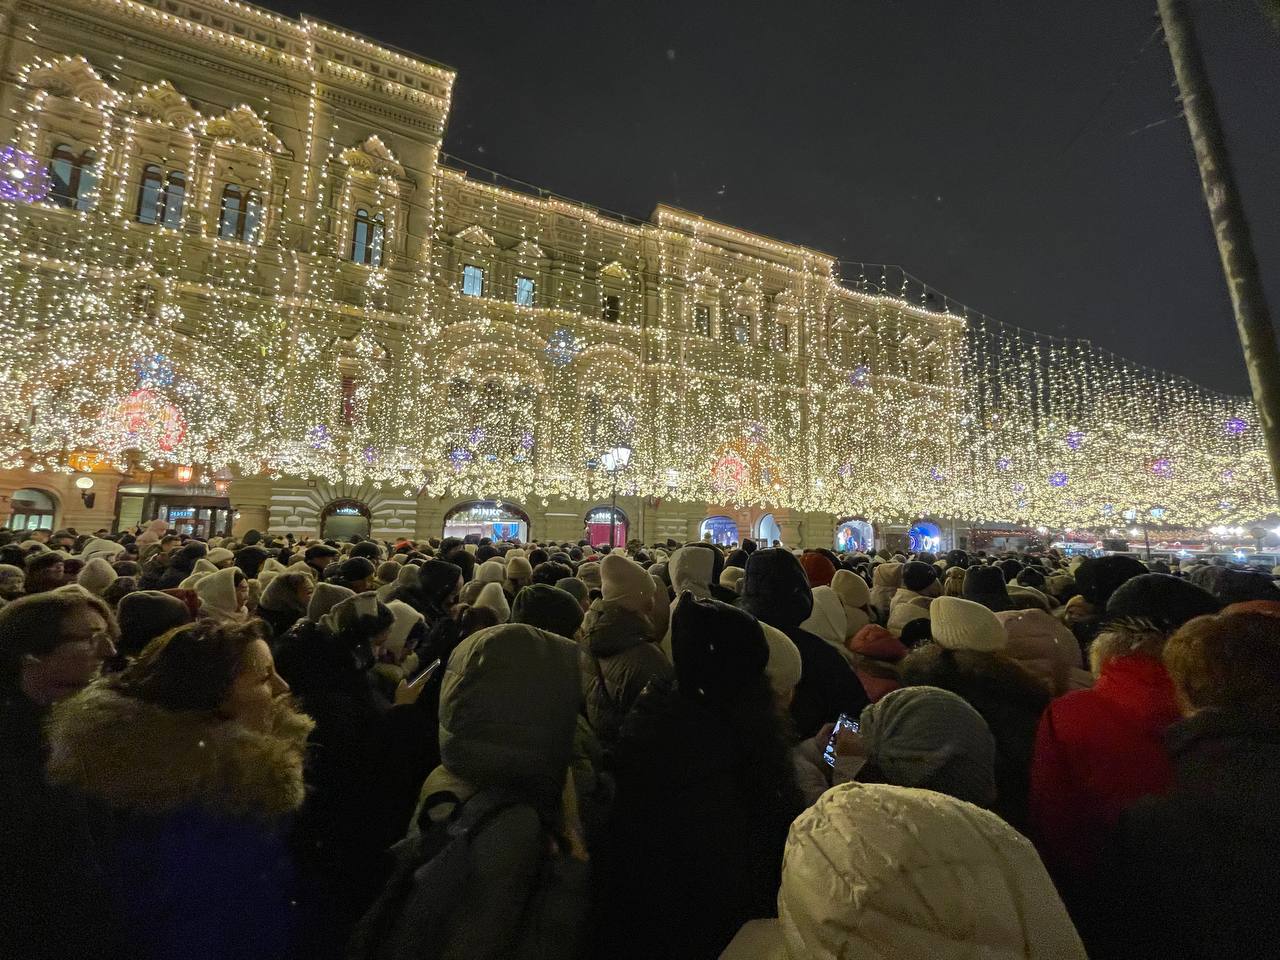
251	502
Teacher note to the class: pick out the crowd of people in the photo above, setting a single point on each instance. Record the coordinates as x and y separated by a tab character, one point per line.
259	748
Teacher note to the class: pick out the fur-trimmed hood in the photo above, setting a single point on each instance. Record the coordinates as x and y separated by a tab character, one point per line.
138	756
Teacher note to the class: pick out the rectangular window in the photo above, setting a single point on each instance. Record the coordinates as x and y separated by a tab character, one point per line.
472	281
524	291
612	309
702	319
741	328
174	196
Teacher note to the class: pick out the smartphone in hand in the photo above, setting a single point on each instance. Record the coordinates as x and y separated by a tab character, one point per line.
845	722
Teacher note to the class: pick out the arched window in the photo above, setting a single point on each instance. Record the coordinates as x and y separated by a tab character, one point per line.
31	510
241	214
160	201
150	190
366	238
74	177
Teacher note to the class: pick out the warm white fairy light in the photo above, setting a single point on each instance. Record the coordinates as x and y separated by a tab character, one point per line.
143	345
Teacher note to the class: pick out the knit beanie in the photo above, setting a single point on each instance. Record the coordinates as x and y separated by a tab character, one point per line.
589	573
1010	568
964	625
918	576
986	585
784	666
96	575
98	547
519	568
491	571
575	588
1161	598
817	568
627	583
361	615
851	589
548	608
931	738
493	597
220	555
716	648
388	570
325	597
367	549
145	614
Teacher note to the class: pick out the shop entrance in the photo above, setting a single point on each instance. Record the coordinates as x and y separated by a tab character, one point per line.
344	519
495	519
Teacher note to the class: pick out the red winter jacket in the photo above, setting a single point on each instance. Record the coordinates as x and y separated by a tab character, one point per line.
1096	752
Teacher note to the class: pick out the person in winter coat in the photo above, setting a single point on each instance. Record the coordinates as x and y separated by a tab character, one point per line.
435	591
967	657
223	595
52	645
508	709
618	653
875	655
144	615
284	601
827	620
1097	579
706	792
885	581
1046	648
195	757
775	591
911	600
1217	830
366	759
987	586
1097	751
874	870
181	564
855	598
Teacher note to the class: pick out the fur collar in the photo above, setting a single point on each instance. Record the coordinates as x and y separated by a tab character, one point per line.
140	757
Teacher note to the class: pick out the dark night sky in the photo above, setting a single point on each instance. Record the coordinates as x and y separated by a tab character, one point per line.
996	150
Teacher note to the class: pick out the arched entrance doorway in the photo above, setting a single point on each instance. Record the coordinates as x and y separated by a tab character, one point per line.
924	537
767	531
719	530
495	519
854	536
597	523
32	510
343	519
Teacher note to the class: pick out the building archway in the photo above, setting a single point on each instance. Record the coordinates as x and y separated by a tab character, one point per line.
32	509
924	537
597	523
767	530
854	536
496	519
719	530
343	519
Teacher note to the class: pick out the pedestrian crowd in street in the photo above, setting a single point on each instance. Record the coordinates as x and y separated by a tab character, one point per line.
257	748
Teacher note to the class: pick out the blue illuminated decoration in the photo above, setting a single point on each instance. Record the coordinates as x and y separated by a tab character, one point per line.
924	537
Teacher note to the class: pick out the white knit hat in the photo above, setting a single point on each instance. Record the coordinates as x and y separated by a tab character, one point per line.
959	624
784	666
491	571
96	575
627	583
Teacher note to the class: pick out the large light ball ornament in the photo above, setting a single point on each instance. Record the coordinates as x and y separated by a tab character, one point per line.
142	419
562	347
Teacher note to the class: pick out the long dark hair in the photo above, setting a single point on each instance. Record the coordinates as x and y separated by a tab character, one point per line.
191	667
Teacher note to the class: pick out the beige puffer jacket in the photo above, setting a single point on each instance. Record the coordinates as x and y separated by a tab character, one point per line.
1046	648
876	871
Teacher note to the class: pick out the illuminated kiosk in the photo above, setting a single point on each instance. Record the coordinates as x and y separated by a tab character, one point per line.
854	536
597	524
494	519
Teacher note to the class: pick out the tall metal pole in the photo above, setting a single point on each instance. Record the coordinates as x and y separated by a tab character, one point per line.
613	510
1235	246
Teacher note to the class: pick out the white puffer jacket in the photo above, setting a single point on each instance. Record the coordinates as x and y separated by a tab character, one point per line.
876	871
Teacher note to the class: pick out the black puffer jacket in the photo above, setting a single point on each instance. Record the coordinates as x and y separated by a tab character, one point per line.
776	591
1009	698
618	649
1197	870
694	844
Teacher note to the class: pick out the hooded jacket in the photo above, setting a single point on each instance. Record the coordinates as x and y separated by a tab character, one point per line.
905	607
776	591
217	593
886	578
874	870
855	597
1009	698
617	660
1046	648
1096	752
192	835
827	620
279	605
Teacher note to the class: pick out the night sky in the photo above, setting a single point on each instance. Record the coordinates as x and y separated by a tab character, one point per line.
1024	158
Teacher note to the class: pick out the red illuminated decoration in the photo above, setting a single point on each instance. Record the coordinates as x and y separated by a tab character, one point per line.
144	419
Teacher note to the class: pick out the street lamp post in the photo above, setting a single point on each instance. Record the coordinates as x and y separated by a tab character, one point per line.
615	460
